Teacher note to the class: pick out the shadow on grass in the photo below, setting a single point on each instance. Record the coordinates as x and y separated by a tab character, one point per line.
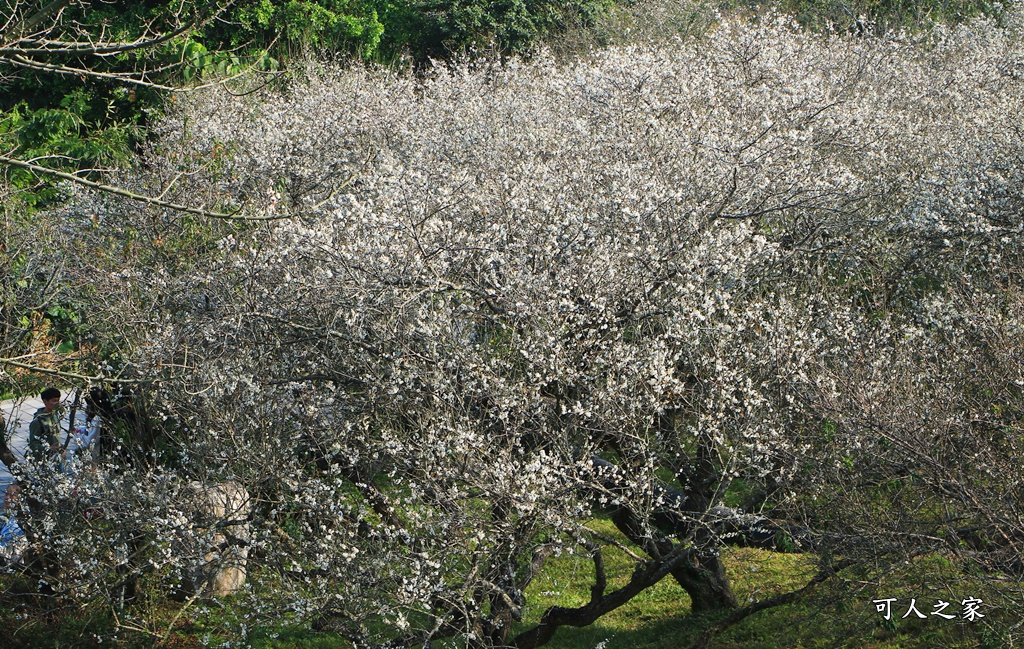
817	622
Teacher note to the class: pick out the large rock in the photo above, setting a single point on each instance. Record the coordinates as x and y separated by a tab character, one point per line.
221	510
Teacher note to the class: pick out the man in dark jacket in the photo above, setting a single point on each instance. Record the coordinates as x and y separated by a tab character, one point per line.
44	431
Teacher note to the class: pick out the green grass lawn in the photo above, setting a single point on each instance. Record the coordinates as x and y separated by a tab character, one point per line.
830	615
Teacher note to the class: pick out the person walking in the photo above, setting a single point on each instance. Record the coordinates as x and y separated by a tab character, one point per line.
44	431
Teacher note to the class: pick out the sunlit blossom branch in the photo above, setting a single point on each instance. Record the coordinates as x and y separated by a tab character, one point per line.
133	78
106	48
73	375
120	191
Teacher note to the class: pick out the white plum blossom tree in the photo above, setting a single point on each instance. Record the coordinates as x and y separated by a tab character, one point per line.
510	299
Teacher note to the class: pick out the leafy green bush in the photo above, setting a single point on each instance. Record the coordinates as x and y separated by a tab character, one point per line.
440	28
292	27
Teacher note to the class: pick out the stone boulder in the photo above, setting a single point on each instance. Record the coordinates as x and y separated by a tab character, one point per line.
221	534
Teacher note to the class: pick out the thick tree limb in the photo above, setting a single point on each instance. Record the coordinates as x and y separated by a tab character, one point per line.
704	642
644	576
6	456
675	516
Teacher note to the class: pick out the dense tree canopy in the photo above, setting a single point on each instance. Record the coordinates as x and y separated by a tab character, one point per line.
763	268
761	287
